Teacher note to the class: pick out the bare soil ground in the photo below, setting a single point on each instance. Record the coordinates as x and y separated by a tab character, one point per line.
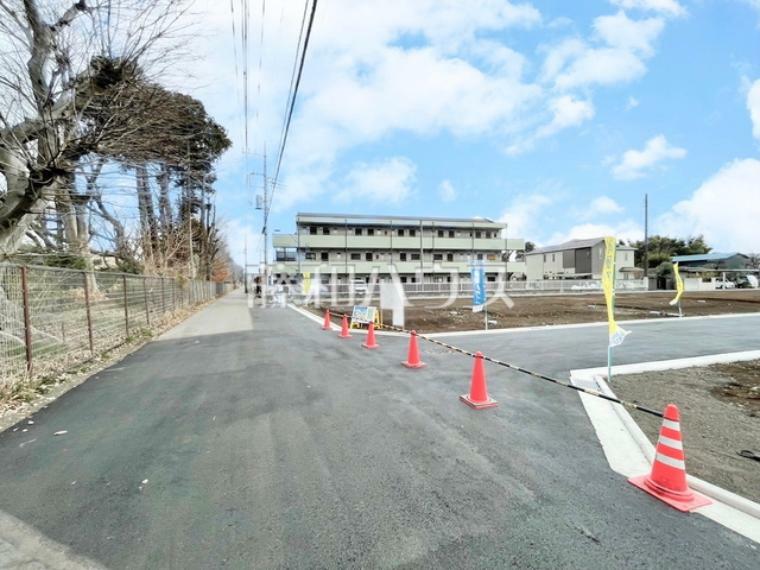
720	416
427	315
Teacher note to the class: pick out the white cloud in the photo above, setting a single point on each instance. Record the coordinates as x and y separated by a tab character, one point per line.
362	79
603	205
566	112
617	55
667	7
637	163
632	103
626	230
387	182
446	191
724	209
619	31
602	66
753	104
522	214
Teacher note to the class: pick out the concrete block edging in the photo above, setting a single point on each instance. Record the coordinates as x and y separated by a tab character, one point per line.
629	452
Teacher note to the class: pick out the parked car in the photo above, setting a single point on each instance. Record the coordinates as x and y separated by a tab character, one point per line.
725	285
746	282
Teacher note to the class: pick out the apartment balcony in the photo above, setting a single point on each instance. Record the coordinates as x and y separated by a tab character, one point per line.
367	267
382	242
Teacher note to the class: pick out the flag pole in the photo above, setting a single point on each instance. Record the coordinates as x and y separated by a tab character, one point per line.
612	296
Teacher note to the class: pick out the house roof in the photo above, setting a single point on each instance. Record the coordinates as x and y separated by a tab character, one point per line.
573	244
715	256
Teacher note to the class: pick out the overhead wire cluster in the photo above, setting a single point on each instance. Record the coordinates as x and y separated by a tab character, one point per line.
241	17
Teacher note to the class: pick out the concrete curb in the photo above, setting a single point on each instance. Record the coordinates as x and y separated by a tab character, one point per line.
629	451
590	325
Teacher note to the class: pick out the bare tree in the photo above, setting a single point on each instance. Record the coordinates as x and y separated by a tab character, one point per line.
68	77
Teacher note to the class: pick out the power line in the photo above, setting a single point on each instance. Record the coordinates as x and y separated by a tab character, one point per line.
290	110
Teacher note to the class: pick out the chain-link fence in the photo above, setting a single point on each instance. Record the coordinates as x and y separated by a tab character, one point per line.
51	318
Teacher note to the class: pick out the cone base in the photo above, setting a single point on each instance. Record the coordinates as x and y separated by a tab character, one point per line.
344	336
326	328
686	502
410	365
365	345
489	403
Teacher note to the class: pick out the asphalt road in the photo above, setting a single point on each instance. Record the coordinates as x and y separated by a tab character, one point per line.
252	439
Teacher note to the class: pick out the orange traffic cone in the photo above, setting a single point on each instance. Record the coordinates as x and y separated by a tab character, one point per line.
344	328
667	481
478	397
370	342
413	359
326	326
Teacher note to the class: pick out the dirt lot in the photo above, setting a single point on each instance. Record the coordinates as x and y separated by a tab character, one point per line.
427	315
720	416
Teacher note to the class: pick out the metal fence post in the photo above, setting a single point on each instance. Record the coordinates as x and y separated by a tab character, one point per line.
126	306
27	319
145	298
87	312
174	302
163	295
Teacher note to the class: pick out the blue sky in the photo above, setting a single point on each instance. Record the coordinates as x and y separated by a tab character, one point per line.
555	117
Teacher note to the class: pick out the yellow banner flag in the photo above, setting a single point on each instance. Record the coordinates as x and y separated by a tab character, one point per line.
679	285
306	283
617	334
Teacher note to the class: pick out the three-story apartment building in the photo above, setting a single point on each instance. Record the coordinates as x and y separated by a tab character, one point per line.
419	249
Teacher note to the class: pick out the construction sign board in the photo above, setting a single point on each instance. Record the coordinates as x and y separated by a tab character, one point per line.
363	315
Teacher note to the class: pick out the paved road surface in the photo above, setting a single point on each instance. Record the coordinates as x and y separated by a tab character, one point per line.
266	442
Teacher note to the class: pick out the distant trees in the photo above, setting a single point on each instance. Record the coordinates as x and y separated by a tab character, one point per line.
663	248
529	246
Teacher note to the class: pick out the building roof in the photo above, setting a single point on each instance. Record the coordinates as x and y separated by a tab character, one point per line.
706	257
573	244
381	217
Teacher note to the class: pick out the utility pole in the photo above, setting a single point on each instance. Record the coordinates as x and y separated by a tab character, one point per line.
646	241
245	264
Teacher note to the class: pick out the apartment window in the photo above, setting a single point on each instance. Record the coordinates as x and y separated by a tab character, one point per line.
440	233
401	233
325	256
313	230
437	257
480	256
310	256
552	258
356	256
403	278
370	231
449	257
412	233
402	256
285	254
451	233
368	256
477	235
358	231
415	257
325	231
545	258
